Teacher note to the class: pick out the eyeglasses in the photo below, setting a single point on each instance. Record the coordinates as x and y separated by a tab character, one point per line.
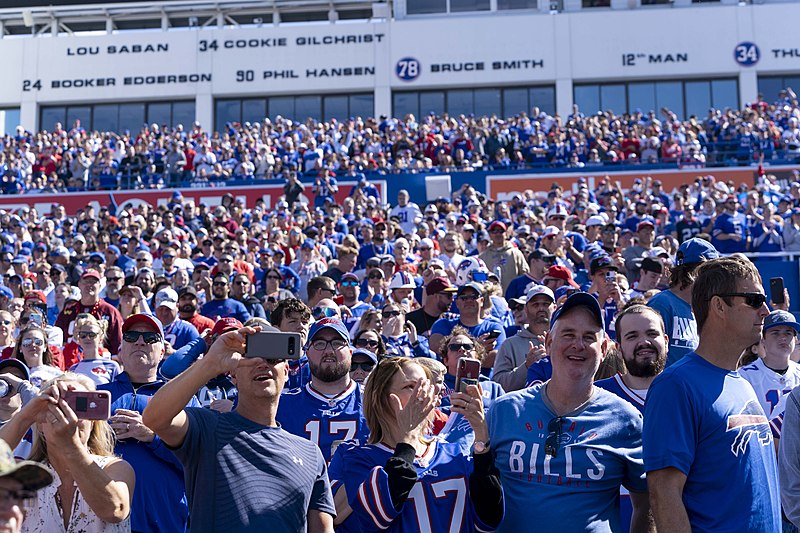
27	343
468	297
517	307
168	256
366	343
241	282
323	312
751	299
328	289
423	249
149	337
498	230
7	322
274	277
220	284
321	345
112	280
390	314
141	259
552	442
88	334
366	367
226	260
349	284
375	276
456	346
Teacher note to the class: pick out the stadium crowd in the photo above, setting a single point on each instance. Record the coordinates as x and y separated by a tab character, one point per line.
602	334
71	158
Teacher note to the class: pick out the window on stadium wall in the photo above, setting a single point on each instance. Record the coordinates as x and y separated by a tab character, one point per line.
684	98
9	120
119	116
771	86
338	106
427	7
505	102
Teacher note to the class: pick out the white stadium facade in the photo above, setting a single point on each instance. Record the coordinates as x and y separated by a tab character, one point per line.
116	66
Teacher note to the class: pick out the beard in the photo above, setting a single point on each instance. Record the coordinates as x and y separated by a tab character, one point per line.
328	373
188	308
646	369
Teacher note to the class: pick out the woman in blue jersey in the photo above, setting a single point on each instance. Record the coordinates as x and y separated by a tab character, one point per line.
448	490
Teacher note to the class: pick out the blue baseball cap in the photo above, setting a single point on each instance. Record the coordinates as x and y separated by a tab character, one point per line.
333	323
695	250
363	352
471	285
114	248
580	299
15	363
781	318
5	291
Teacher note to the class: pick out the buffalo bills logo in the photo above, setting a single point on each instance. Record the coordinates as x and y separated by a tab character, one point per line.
750	422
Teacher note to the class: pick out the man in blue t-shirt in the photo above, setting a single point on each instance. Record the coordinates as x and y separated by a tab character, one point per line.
222	306
708	448
565	447
730	229
243	471
469	301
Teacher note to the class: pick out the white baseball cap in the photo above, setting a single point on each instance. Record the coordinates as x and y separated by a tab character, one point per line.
166	297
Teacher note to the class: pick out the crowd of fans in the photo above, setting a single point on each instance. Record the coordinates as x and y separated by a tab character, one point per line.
546	293
72	158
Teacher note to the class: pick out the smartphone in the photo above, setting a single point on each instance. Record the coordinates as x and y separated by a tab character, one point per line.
611	276
89	405
467	373
273	345
493	334
776	290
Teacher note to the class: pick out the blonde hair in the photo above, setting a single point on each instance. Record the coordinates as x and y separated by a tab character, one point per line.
85	319
377	407
101	439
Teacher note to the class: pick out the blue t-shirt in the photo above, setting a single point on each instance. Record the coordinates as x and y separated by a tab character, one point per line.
679	324
242	476
444	326
600	449
225	308
539	372
517	287
324	421
706	422
439	500
615	385
726	223
180	333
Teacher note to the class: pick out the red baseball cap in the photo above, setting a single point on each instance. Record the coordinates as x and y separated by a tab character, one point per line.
497	224
91	273
225	324
36	295
562	272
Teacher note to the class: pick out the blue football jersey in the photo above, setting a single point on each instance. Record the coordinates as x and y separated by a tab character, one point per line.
324	421
439	500
599	449
539	372
615	385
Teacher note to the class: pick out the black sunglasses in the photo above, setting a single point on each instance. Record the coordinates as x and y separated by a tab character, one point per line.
390	314
149	337
456	346
552	442
366	343
516	307
366	367
752	299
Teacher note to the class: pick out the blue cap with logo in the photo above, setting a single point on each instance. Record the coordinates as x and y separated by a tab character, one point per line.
333	323
580	299
781	318
695	250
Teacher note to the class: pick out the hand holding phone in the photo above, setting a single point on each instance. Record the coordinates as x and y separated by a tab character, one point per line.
467	373
274	345
89	405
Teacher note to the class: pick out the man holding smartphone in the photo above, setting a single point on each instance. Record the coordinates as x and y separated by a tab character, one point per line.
328	409
271	479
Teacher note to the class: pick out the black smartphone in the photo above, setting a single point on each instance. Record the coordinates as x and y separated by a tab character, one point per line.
493	334
467	373
274	345
776	290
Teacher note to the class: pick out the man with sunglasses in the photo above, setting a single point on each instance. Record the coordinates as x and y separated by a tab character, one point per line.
469	301
708	447
539	261
242	291
438	299
222	305
115	279
328	409
564	447
159	502
350	288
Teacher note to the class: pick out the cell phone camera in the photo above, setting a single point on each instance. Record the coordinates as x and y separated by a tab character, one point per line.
291	346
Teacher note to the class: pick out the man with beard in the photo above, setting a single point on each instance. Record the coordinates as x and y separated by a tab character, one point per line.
177	331
187	310
242	292
327	410
438	299
527	346
642	343
222	306
378	245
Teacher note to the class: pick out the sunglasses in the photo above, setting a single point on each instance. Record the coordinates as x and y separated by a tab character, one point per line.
366	343
497	231
168	256
323	312
113	279
7	322
241	282
456	346
32	342
88	335
516	307
366	367
149	337
390	314
349	284
274	277
751	299
552	442
226	260
468	297
219	284
375	276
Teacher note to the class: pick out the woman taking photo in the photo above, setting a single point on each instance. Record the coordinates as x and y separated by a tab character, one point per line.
461	344
449	491
272	290
93	489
